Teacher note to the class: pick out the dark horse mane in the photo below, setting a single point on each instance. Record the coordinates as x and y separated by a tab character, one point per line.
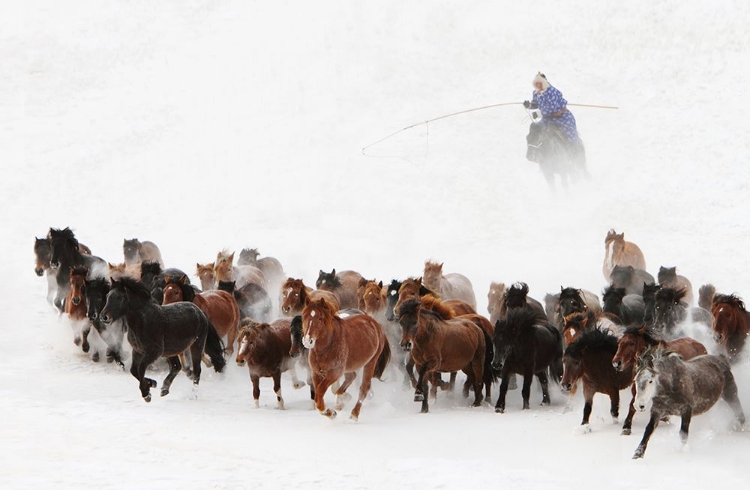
66	233
731	299
333	279
594	339
646	333
517	291
671	295
520	319
439	312
133	286
188	292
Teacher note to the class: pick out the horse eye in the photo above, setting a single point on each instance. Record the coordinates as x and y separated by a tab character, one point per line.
650	381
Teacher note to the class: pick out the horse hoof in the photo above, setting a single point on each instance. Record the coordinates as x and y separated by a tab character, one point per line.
95	357
354	418
331	414
77	340
164	392
298	385
499	410
147	398
625	432
419	397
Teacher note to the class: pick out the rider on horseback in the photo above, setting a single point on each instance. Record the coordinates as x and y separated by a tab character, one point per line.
555	115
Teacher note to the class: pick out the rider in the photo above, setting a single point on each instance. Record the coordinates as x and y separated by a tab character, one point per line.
554	111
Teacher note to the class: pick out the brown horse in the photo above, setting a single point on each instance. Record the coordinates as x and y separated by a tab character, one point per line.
731	324
343	285
265	348
413	288
76	307
220	307
449	286
339	347
118	271
241	274
440	345
617	251
205	273
577	323
295	296
136	251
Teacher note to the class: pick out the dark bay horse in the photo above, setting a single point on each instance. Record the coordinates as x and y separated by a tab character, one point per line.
630	278
343	285
549	148
649	302
573	300
668	278
618	251
441	343
113	333
589	358
220	307
731	325
265	349
670	311
673	386
295	296
154	277
76	308
629	308
339	347
526	343
64	255
706	295
155	331
448	286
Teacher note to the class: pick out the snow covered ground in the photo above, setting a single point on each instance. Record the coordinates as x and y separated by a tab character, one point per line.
228	124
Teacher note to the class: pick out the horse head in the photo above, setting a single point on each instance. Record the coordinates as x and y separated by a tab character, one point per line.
62	244
131	250
408	318
96	296
516	295
667	275
612	298
119	298
649	302
622	275
78	284
223	268
571	301
317	320
669	308
433	274
411	288
43	254
327	280
391	299
177	289
373	298
646	377
630	345
248	256
509	334
293	296
205	273
495	297
247	337
727	312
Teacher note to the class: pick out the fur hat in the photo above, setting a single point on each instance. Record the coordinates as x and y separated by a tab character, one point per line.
540	78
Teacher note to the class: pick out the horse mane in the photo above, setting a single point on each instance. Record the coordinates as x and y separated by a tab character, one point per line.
410	306
671	295
610	291
188	293
570	293
249	326
296	327
130	285
423	290
66	233
730	299
98	283
79	270
646	333
228	286
594	339
436	305
521	319
578	318
150	268
334	280
517	290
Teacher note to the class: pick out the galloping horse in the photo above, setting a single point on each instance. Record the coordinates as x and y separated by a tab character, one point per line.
241	274
630	278
113	333
271	268
445	345
155	331
673	386
618	251
549	149
670	311
220	307
136	251
295	296
343	285
75	308
668	278
706	295
253	300
448	286
627	307
339	347
731	324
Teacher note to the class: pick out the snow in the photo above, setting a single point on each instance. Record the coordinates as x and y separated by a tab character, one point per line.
227	124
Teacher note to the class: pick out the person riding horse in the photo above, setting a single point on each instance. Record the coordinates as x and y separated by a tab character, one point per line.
549	110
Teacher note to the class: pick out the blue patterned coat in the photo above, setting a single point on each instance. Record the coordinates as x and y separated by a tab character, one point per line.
550	102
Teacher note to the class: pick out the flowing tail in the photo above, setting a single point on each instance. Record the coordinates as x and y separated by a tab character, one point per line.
383	360
490	375
215	349
556	366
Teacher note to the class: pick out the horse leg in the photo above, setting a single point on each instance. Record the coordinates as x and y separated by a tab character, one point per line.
277	388
296	382
588	397
85	346
420	389
730	396
141	361
196	351
186	362
452	382
500	405
614	410
652	424
685	425
627	426
255	379
477	374
174	368
542	376
341	395
322	383
364	388
528	376
409	380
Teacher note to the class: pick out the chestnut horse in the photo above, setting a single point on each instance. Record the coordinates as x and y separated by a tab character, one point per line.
414	288
339	347
295	296
76	309
439	343
634	343
220	307
731	325
343	285
449	286
136	251
617	251
241	274
265	348
206	275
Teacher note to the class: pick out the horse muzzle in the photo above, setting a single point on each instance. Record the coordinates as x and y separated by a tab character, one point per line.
566	387
106	319
54	265
241	362
641	407
76	300
497	366
406	346
286	310
39	272
617	365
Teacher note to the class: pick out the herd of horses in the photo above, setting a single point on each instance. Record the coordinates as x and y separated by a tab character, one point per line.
425	327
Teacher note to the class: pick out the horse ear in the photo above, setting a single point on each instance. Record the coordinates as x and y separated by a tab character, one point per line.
183	280
333	272
380	284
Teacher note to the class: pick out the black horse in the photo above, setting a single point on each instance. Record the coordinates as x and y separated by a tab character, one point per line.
526	343
155	278
649	302
555	155
670	310
112	334
630	278
64	255
155	331
627	307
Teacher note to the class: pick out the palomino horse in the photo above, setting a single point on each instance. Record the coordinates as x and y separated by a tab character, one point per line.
731	324
673	386
75	307
253	300
295	296
589	359
526	343
668	278
241	274
449	286
495	300
618	251
136	251
265	349
155	331
339	347
113	333
220	307
445	345
342	284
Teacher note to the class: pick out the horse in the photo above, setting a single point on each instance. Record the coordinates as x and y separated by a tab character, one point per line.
64	255
549	148
265	348
649	302
448	286
495	300
242	274
339	347
206	275
253	301
706	295
673	386
271	268
414	288
76	308
439	343
526	343
618	251
118	271
670	310
136	251
577	323
155	278
343	285
295	296
629	308
630	278
572	300
113	333
516	296
731	324
220	307
589	359
43	253
155	331
668	278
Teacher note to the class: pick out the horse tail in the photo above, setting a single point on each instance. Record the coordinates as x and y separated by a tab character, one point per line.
215	348
556	366
383	360
490	375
